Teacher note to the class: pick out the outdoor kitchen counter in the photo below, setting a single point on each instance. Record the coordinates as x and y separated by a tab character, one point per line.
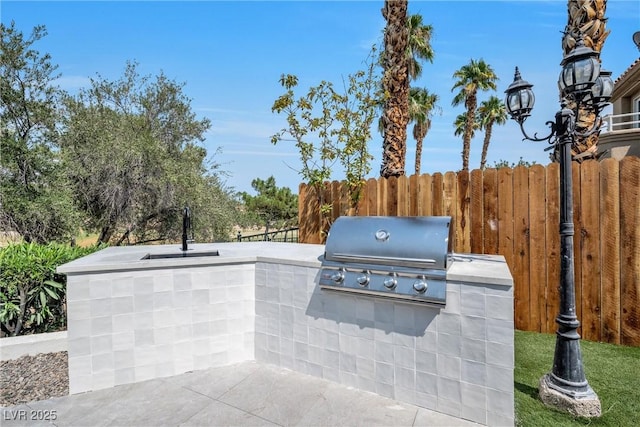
465	267
132	319
126	258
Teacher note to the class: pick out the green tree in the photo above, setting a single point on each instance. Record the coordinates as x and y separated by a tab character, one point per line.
34	196
332	127
131	149
419	45
471	78
395	85
273	205
505	164
421	106
460	125
490	112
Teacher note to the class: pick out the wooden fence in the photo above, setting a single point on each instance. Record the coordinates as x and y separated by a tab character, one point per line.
515	213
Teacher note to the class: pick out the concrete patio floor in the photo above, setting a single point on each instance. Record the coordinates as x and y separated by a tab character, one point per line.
245	394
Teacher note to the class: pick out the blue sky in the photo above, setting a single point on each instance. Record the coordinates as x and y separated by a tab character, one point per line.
230	55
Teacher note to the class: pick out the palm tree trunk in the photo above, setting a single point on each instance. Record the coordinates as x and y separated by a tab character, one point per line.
485	144
418	155
468	131
586	17
395	82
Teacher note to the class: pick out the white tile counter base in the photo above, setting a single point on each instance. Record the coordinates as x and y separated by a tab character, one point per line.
129	322
133	326
456	360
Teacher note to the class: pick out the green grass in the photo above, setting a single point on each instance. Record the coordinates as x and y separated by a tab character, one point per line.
612	371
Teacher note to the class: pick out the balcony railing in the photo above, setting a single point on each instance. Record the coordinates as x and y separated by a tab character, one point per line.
620	122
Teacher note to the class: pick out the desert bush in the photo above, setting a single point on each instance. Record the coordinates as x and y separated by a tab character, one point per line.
32	294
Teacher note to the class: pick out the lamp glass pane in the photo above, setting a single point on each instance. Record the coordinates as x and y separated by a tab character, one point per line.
513	101
567	76
607	87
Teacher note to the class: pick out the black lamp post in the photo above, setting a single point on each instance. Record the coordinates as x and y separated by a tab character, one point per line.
583	87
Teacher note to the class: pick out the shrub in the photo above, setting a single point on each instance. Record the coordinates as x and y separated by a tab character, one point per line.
32	294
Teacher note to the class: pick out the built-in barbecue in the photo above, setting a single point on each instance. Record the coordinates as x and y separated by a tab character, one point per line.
404	258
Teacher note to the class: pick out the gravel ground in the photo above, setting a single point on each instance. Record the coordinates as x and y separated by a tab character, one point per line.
31	378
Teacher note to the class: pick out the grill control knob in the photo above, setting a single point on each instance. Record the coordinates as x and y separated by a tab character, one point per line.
420	286
338	276
363	279
390	282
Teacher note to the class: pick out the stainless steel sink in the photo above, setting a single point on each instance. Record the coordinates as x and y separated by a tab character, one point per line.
181	254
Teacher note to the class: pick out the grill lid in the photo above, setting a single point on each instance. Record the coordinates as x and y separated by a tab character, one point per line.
419	242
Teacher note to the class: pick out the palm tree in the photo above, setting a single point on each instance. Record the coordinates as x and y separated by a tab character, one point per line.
490	112
421	106
471	78
419	46
586	18
395	84
461	124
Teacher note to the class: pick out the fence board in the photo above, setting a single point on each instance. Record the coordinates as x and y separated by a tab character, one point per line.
425	195
630	249
610	249
383	194
304	210
552	226
336	192
505	215
413	195
577	223
521	247
589	250
372	197
476	212
403	196
449	205
392	196
462	212
438	194
490	211
537	249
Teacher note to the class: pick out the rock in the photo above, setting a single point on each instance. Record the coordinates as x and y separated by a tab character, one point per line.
31	378
587	406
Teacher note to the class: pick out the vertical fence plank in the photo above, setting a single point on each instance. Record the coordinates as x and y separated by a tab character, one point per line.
537	249
336	192
438	194
552	295
425	195
403	196
392	196
372	196
362	207
462	210
449	203
476	213
312	215
505	215
383	190
589	249
490	211
610	249
521	247
630	250
303	213
414	198
577	226
326	210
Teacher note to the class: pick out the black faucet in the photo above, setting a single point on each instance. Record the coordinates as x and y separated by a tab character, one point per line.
186	227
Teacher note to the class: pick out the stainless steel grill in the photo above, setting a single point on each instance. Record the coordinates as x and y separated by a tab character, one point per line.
393	257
